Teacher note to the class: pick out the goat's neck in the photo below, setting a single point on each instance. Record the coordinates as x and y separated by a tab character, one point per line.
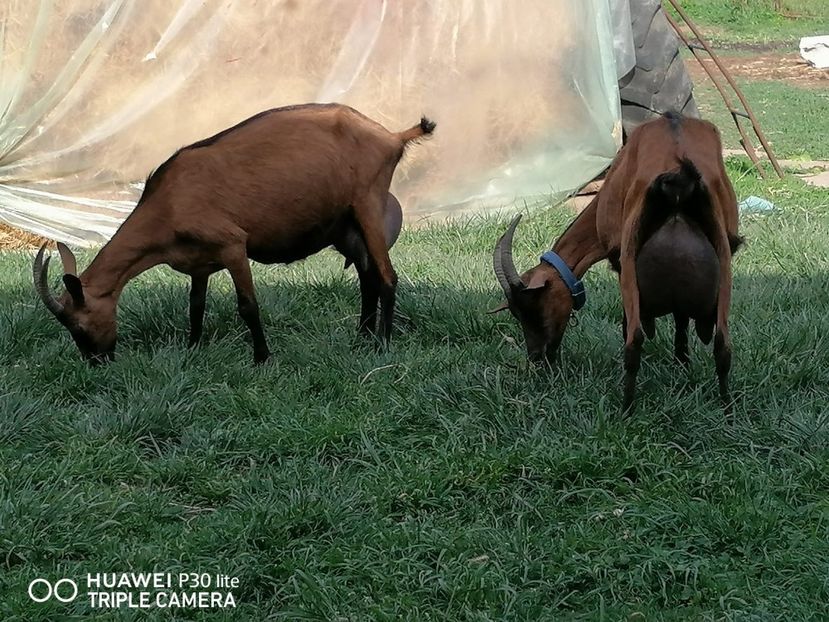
579	246
133	249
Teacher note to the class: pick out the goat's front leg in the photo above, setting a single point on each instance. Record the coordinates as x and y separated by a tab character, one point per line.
236	262
369	214
198	295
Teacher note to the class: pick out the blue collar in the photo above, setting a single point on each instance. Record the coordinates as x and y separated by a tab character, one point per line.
574	284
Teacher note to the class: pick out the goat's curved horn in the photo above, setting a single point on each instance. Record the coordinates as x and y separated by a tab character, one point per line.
67	258
40	272
503	263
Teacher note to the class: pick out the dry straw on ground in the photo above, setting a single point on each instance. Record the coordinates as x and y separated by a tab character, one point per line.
12	239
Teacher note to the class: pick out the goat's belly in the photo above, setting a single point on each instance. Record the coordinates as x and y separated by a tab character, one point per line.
288	246
678	274
285	253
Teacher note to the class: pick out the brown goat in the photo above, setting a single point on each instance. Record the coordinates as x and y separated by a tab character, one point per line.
275	188
666	219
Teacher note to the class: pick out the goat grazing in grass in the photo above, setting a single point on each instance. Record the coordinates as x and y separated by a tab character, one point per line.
666	219
275	188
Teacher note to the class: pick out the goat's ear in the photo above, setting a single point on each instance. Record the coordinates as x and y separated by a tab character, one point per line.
537	281
502	307
67	258
75	289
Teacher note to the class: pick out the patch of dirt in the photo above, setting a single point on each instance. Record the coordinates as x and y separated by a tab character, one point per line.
798	166
12	239
821	180
742	46
715	38
790	68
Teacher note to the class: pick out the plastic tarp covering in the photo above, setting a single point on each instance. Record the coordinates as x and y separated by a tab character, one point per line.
623	47
94	94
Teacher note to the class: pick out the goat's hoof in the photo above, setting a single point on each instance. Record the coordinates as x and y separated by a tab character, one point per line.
728	408
380	343
366	333
261	357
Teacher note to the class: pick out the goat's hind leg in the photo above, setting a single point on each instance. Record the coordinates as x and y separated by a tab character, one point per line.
633	356
369	297
634	338
369	214
722	338
236	262
681	339
357	253
722	360
198	295
624	326
634	335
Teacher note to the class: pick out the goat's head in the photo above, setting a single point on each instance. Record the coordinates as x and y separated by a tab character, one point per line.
539	299
89	319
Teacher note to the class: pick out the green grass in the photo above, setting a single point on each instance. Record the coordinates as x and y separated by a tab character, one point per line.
440	480
795	120
756	22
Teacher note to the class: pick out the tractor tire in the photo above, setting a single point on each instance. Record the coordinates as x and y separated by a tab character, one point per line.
659	81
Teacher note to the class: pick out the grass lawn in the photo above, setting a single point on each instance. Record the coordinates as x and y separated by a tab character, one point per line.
794	116
440	480
742	23
795	120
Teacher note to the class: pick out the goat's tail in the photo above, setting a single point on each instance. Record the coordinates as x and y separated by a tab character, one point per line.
681	190
424	128
678	192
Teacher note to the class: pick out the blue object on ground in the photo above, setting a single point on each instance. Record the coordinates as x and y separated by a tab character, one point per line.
755	204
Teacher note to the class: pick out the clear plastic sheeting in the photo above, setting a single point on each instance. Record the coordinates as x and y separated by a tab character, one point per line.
94	94
623	46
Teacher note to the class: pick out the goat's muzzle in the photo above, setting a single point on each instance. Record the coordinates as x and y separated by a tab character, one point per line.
504	265
40	272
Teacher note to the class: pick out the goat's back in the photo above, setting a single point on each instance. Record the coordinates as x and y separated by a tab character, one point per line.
653	149
286	177
659	145
285	155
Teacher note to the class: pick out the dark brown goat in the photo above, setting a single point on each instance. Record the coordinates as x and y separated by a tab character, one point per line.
666	219
275	188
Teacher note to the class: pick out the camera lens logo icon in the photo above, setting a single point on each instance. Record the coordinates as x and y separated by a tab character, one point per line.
64	590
